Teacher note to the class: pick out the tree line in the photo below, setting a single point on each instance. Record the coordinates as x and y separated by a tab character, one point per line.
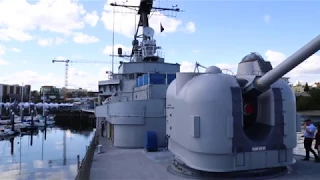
311	102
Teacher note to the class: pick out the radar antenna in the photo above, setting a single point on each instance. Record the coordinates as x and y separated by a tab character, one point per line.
146	50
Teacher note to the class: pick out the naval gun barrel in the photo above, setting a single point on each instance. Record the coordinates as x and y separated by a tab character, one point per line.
291	62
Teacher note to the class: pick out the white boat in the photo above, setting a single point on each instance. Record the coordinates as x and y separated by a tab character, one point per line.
5	122
6	132
39	123
50	120
25	126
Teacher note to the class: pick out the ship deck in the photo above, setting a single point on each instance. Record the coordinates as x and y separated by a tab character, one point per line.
137	164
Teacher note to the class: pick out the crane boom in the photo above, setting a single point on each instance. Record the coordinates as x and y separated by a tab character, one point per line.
79	61
67	61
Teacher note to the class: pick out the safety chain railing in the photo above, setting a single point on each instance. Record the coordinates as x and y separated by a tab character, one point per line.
85	165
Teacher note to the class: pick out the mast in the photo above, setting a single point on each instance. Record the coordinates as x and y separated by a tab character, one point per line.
147	49
113	40
22	92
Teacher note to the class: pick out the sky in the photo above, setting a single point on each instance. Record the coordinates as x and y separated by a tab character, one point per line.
210	32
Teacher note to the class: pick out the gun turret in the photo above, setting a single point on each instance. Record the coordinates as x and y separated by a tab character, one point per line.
259	85
255	112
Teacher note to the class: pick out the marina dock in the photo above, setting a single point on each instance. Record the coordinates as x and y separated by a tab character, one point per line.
50	146
47	154
75	118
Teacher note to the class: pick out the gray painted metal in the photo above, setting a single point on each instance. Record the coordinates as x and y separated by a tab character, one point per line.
298	124
207	125
203	114
131	111
271	141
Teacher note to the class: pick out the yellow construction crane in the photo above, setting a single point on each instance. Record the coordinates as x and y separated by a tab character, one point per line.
67	61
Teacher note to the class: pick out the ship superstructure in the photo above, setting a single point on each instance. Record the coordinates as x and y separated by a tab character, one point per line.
134	99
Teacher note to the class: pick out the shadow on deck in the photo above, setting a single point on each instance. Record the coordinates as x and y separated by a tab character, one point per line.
136	164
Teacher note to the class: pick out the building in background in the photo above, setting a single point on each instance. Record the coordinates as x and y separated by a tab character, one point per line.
51	92
11	93
316	85
76	93
298	88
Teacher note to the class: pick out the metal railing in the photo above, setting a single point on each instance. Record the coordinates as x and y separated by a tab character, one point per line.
85	165
149	51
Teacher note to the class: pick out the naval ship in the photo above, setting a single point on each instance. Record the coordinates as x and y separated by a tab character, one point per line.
134	102
134	98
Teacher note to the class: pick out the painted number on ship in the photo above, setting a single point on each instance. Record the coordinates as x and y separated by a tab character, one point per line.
169	106
259	148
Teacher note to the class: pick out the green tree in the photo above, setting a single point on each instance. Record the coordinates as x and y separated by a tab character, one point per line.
6	98
69	95
35	96
306	88
309	103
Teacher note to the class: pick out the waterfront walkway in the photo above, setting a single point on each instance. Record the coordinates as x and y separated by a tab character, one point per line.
136	164
133	164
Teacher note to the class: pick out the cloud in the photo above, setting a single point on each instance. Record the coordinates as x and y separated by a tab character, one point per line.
266	18
62	16
92	18
187	66
13	34
3	62
60	40
2	50
78	78
82	79
51	41
190	27
195	50
308	67
125	50
45	41
15	50
60	58
84	38
75	56
30	77
125	23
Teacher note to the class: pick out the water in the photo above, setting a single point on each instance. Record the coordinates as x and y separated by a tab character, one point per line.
44	159
42	156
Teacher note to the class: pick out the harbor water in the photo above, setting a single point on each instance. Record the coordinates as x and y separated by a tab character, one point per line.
52	154
48	154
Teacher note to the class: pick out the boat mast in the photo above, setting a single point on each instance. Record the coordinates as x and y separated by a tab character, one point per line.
22	92
113	40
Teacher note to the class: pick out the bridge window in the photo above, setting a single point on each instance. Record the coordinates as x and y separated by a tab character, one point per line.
155	78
